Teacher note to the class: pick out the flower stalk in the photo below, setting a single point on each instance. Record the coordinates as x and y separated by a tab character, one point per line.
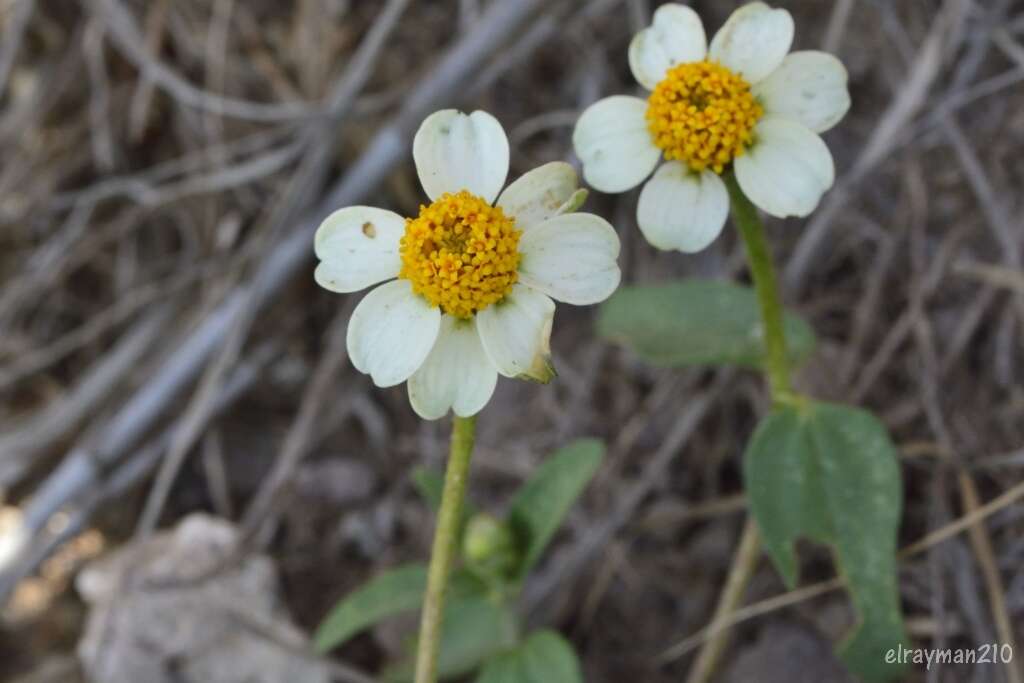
767	285
776	367
446	542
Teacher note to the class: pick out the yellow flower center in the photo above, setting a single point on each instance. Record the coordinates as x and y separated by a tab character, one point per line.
460	253
702	114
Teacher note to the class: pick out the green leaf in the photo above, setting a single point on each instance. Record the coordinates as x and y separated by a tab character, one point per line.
783	483
831	473
545	657
475	628
390	593
542	503
695	322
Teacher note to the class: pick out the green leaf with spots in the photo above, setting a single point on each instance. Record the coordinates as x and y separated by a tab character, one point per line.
830	473
545	657
543	502
695	322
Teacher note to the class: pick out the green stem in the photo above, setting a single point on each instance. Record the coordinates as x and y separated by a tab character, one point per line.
766	283
446	540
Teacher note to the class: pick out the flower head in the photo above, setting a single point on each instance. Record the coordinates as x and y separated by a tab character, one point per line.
469	281
744	105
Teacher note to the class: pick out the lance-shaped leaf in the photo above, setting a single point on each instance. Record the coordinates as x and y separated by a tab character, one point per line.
695	322
388	594
542	503
831	473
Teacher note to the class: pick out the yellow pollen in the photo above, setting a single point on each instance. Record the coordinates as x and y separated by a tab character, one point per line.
460	253
702	114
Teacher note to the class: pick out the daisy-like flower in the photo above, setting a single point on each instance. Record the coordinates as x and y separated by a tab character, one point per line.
743	105
470	280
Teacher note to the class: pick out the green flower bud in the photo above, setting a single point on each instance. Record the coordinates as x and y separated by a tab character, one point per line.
489	546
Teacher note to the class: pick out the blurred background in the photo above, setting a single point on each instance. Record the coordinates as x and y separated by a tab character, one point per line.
164	350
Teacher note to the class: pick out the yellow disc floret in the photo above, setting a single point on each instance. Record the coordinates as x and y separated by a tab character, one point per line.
460	253
702	114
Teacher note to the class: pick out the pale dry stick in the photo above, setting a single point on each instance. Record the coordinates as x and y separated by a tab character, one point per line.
998	220
214	57
352	81
905	105
129	473
67	248
799	595
981	542
82	466
125	34
941	262
931	374
216	474
837	23
308	177
665	389
1005	42
744	562
48	262
967	326
307	31
1010	459
539	592
866	311
992	206
301	433
226	177
959	99
794	597
142	98
57	77
102	138
215	48
139	297
900	331
13	34
194	420
20	446
547	26
677	515
139	187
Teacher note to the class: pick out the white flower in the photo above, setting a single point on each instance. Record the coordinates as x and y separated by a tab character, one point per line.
743	104
471	280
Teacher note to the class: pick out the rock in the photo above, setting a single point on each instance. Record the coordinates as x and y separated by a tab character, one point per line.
176	607
788	652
